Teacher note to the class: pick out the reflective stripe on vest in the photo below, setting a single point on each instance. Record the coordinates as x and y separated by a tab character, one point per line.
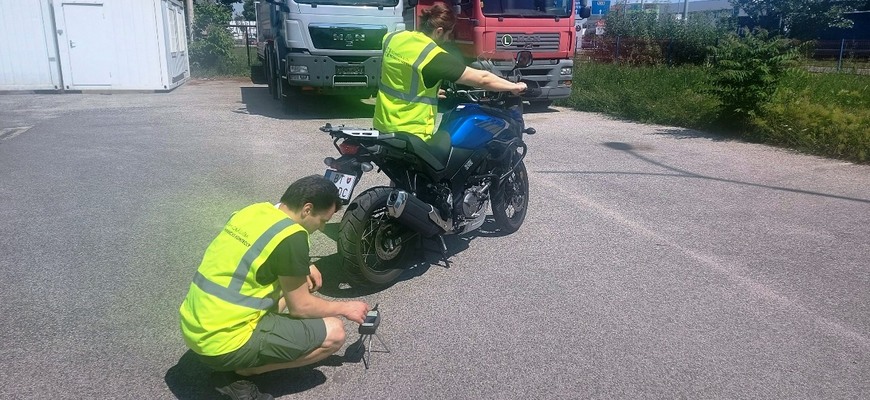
232	294
225	300
411	94
404	103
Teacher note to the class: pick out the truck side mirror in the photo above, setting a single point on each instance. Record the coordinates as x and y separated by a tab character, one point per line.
585	12
524	59
411	3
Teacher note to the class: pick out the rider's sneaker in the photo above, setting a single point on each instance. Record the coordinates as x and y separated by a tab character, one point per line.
244	390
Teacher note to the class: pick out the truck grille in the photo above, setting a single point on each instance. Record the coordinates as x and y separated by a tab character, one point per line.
347	37
527	41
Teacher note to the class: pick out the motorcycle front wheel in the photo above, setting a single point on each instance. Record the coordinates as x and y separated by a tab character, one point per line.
373	246
511	200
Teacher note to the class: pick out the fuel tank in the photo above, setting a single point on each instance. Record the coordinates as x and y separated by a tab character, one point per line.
471	126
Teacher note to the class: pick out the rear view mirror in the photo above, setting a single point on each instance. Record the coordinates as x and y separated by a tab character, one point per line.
585	12
524	59
411	3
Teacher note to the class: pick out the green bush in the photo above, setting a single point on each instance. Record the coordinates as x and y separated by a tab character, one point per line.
823	114
211	48
745	73
642	38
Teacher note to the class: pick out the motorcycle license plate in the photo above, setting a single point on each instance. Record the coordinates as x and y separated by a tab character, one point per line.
343	182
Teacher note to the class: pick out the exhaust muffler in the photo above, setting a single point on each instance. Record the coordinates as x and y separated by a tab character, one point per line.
416	214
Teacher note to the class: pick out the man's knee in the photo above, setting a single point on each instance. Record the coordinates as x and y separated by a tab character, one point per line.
335	335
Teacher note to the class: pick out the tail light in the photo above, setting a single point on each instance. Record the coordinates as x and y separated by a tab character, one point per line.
347	149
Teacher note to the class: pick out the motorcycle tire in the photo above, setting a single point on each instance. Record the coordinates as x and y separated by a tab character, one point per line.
372	245
511	200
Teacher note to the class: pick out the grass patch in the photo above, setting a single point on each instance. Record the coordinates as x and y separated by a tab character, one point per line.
235	66
649	94
822	114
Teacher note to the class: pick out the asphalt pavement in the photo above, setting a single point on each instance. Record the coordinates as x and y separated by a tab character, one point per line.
655	262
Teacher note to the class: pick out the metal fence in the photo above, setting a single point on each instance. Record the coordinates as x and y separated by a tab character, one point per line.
245	35
845	55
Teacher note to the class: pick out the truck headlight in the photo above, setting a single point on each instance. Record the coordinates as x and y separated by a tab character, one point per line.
567	71
297	77
297	69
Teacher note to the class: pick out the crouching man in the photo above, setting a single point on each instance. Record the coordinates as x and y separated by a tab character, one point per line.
257	267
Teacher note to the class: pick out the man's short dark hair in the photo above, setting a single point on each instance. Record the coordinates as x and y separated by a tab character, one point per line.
314	189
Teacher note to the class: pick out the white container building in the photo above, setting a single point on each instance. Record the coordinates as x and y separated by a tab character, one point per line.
92	45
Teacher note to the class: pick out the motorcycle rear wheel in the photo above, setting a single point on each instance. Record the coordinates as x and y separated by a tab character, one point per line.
373	246
511	200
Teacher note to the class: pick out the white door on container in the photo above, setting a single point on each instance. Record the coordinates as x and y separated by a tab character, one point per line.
89	44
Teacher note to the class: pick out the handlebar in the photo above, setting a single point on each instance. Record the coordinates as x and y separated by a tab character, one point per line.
475	95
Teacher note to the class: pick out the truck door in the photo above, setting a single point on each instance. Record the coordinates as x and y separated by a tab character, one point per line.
464	31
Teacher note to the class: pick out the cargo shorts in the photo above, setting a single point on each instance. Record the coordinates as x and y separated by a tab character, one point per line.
278	338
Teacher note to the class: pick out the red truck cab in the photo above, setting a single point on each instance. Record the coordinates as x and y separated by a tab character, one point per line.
497	29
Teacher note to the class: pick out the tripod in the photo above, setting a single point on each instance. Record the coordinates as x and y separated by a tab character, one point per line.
367	329
368	347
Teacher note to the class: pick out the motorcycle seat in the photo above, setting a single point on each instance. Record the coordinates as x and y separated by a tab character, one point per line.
435	152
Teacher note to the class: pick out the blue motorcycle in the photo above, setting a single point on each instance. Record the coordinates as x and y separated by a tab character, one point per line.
440	187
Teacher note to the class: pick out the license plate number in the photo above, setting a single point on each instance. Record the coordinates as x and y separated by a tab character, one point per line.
343	182
351	70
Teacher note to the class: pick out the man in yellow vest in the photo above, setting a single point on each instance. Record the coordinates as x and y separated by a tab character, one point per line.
412	70
257	266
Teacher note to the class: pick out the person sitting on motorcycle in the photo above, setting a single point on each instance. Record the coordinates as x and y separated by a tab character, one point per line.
413	67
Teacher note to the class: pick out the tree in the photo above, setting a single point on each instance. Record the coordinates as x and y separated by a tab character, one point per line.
248	11
799	19
228	4
211	45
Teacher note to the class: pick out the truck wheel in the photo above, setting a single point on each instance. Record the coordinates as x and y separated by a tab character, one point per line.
270	74
540	105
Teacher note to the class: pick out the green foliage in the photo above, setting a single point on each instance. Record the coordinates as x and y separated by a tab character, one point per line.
227	4
824	114
653	94
799	19
211	47
248	11
803	123
642	38
745	73
208	14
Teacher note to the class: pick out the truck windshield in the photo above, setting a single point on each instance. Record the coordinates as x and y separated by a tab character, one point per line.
371	3
526	8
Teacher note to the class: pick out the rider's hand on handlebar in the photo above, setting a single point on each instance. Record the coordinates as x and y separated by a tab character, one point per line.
519	88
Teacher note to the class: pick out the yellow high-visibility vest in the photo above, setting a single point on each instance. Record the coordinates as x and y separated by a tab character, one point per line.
225	301
404	103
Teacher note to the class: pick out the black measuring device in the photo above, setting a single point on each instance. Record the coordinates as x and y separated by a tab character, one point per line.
370	324
367	330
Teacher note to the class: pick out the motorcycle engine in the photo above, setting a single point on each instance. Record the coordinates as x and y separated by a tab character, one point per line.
474	202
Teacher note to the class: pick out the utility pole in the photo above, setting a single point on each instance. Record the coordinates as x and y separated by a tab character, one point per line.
685	10
188	5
